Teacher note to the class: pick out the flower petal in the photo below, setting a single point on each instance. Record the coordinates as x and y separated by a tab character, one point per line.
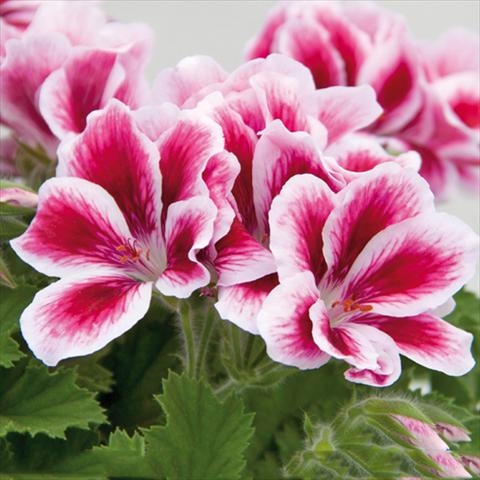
358	153
77	224
220	173
344	109
82	85
27	64
431	342
285	325
309	43
79	315
184	152
280	155
344	341
240	304
240	140
280	97
188	229
297	218
155	120
241	258
189	77
392	70
79	21
413	266
388	367
385	196
114	154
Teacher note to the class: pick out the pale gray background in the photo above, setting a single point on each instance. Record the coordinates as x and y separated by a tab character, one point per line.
222	28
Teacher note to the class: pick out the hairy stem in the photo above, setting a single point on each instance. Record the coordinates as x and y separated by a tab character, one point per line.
184	312
204	341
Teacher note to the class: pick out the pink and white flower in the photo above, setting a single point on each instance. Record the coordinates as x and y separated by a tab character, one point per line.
70	60
361	273
419	87
115	223
275	123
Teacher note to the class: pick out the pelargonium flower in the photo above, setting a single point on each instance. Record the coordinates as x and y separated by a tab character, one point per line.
350	44
114	224
429	94
362	273
70	61
265	108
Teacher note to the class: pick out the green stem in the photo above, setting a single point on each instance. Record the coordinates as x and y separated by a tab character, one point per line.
248	349
184	312
237	347
204	341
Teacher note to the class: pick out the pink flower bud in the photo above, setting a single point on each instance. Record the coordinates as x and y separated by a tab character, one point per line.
423	435
452	433
449	465
472	463
18	197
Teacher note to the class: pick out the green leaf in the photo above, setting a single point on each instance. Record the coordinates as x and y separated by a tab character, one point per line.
6	278
139	360
11	228
203	437
12	304
33	400
74	458
6	209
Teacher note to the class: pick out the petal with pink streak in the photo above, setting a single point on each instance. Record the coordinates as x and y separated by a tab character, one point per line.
240	304
309	43
280	155
241	258
79	315
261	45
184	152
85	82
385	196
153	121
358	153
431	342
297	218
27	64
188	229
462	93
240	140
280	97
189	77
388	367
413	266
344	109
392	70
351	43
285	325
219	175
344	341
114	154
77	224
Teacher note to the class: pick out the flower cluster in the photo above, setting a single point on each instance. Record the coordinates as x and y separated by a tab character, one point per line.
295	192
430	93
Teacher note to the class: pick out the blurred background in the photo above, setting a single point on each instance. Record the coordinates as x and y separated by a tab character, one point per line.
221	29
